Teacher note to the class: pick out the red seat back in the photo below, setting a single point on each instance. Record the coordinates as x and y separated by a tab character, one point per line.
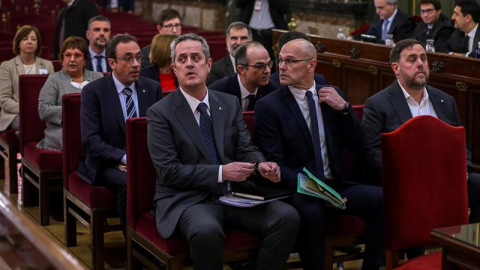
72	141
140	168
31	127
424	180
249	117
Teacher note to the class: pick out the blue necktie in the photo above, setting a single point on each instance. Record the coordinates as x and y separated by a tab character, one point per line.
312	108
206	126
129	104
99	58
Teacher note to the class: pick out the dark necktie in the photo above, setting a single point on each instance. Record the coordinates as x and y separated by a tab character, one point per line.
99	58
465	43
312	108
251	102
206	126
129	104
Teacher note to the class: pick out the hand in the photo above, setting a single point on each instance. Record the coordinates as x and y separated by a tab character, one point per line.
237	171
270	170
330	96
331	206
122	168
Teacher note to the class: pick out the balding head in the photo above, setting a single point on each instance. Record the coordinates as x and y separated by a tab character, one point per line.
298	59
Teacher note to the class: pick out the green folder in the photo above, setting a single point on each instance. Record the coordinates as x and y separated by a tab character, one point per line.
310	185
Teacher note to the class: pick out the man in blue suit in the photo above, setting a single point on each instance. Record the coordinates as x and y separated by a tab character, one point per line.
251	82
285	131
106	104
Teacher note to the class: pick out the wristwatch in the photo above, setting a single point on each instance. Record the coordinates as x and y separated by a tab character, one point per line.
345	108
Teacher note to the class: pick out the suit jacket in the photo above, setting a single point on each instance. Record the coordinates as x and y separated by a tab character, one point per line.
388	110
283	136
440	32
146	56
103	124
455	43
153	72
277	8
401	28
230	85
9	72
220	69
275	79
76	20
186	174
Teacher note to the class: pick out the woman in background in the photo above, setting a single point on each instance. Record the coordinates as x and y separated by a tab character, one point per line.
161	70
27	46
74	56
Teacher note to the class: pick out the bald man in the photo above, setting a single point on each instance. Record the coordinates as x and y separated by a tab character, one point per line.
286	132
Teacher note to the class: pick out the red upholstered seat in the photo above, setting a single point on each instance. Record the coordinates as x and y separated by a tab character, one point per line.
92	196
424	186
8	136
426	262
9	147
144	243
40	168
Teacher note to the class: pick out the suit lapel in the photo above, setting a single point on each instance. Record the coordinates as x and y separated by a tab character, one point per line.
189	123
297	114
229	64
112	95
235	88
142	98
399	103
438	105
218	119
19	65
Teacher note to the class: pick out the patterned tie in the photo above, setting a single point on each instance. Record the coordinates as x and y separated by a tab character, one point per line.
206	126
99	58
129	104
312	108
385	29
251	102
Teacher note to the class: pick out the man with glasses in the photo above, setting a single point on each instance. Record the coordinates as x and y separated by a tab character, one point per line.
106	105
251	82
237	34
434	25
304	125
98	35
169	23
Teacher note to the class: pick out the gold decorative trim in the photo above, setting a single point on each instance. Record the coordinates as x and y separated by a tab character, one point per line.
461	86
373	70
336	63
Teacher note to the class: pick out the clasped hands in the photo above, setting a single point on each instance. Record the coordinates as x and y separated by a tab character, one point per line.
240	171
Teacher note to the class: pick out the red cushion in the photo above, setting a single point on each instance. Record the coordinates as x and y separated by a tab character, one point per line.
176	245
344	225
432	261
42	158
9	137
93	196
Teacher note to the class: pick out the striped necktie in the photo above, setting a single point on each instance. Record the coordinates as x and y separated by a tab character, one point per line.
129	104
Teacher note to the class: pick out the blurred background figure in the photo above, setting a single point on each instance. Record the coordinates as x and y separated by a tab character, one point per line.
98	35
71	79
161	70
27	46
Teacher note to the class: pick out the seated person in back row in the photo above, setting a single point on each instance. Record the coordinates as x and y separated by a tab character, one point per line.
251	82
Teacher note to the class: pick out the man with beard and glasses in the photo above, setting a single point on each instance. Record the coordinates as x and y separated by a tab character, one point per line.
407	97
98	35
237	34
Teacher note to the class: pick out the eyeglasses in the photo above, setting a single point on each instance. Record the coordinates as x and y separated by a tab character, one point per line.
75	55
260	65
427	11
177	25
129	60
290	62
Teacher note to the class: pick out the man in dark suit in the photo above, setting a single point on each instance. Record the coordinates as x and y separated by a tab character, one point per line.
198	142
391	21
106	104
73	21
237	34
98	35
407	97
464	40
306	125
282	40
434	24
251	82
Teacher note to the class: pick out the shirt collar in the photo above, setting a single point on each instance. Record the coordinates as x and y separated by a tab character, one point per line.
299	94
193	102
407	95
120	85
472	33
243	91
93	54
233	62
390	20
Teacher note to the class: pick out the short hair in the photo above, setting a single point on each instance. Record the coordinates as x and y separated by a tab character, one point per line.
75	42
469	7
167	15
190	36
238	26
402	45
391	2
436	4
98	18
23	32
241	57
289	36
119	38
160	50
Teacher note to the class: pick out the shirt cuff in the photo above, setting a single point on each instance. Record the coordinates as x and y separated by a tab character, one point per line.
124	160
220	180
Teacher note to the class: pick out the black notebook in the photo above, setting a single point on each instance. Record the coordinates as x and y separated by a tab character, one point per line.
261	193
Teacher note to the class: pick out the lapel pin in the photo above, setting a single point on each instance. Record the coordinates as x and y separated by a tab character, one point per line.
219	108
441	100
143	90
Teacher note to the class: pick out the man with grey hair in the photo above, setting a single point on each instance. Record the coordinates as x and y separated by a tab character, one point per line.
199	142
237	34
391	21
305	125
